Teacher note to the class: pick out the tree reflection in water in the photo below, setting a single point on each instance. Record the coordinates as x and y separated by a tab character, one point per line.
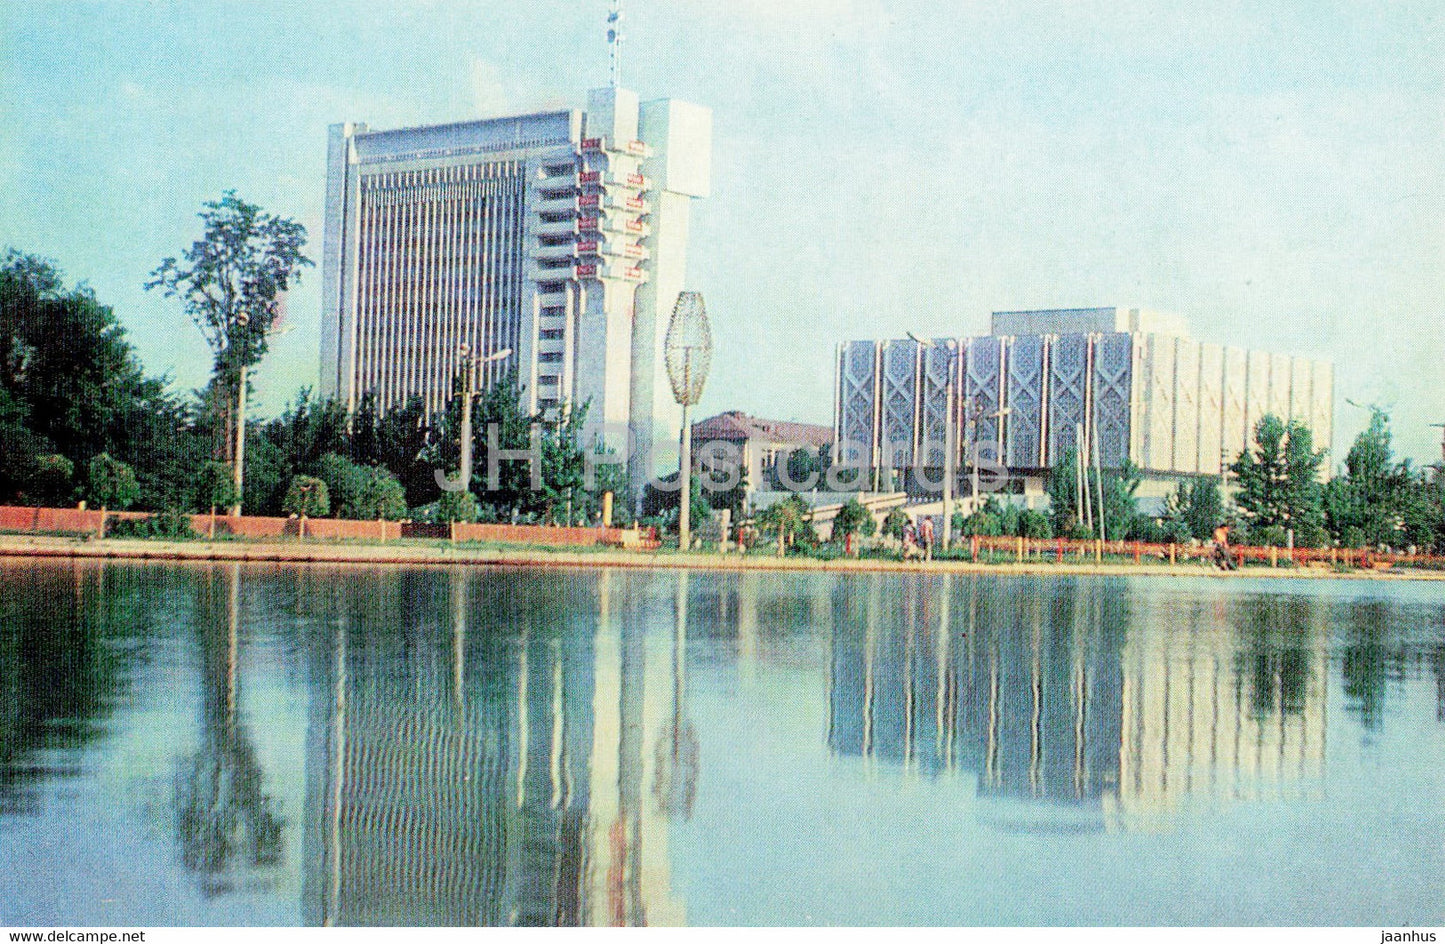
226	823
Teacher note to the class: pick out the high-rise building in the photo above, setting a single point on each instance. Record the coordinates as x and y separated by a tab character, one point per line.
558	237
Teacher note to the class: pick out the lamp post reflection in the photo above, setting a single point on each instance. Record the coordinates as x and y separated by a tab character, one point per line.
675	785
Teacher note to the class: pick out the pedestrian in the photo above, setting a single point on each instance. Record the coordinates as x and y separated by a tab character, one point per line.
1222	558
925	537
910	540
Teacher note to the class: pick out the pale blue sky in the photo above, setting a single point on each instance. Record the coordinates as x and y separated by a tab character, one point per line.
1270	170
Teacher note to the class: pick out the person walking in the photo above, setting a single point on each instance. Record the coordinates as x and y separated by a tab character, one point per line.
925	537
1222	557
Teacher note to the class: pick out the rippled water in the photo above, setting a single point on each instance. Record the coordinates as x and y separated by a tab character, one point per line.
222	744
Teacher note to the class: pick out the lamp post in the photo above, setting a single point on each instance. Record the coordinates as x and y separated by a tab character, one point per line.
950	435
469	393
688	352
976	412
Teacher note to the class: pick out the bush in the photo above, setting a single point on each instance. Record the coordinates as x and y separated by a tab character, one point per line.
171	524
380	496
894	523
456	506
307	497
111	484
853	518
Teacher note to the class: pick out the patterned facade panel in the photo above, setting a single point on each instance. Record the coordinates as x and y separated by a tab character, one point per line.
1113	397
857	401
1300	382
1279	380
1186	406
1068	392
939	364
1158	407
898	394
1256	391
1026	365
983	389
1322	405
1235	428
1211	406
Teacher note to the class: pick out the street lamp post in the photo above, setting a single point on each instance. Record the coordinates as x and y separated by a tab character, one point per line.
688	352
469	393
950	435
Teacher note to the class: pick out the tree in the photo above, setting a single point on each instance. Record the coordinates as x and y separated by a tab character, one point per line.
307	497
1196	507
51	480
231	282
894	522
1279	488
1378	501
790	521
854	518
214	488
345	481
111	484
456	506
380	496
1064	506
71	385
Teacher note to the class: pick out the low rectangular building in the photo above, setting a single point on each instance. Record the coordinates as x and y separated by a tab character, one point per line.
1130	382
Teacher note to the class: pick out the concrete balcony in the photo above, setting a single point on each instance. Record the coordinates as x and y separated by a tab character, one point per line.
619	270
565	184
549	271
637	149
556	252
567	227
564	205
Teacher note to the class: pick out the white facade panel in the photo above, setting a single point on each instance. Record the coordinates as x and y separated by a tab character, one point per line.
1158	405
1211	406
1279	381
1300	387
1236	431
1256	391
1186	406
984	378
858	403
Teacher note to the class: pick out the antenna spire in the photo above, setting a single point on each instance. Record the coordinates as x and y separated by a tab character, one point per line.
614	42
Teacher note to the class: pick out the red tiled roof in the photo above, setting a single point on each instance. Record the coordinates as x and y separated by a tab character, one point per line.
735	426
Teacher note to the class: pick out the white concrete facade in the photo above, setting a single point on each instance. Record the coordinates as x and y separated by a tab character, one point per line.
559	236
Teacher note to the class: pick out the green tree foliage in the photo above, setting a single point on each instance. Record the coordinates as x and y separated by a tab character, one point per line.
894	522
344	483
661	503
790	522
111	484
1380	501
397	439
307	497
1193	510
456	506
232	279
854	518
1065	516
380	496
1279	487
70	385
215	488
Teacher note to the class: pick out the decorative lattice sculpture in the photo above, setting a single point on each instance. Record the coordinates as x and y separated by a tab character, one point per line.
688	348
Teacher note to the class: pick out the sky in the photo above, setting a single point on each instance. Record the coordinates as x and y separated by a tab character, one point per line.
1271	171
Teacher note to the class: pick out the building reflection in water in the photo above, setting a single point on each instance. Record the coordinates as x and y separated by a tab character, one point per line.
1039	691
481	753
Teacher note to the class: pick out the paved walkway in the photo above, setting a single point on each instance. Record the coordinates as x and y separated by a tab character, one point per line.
442	553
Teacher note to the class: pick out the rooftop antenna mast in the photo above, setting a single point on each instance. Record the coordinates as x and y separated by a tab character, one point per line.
614	42
1442	445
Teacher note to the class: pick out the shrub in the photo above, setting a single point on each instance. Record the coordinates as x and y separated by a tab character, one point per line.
307	497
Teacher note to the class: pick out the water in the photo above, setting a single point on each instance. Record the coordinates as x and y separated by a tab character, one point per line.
217	744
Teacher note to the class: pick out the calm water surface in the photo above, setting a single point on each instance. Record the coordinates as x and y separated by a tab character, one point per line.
225	744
